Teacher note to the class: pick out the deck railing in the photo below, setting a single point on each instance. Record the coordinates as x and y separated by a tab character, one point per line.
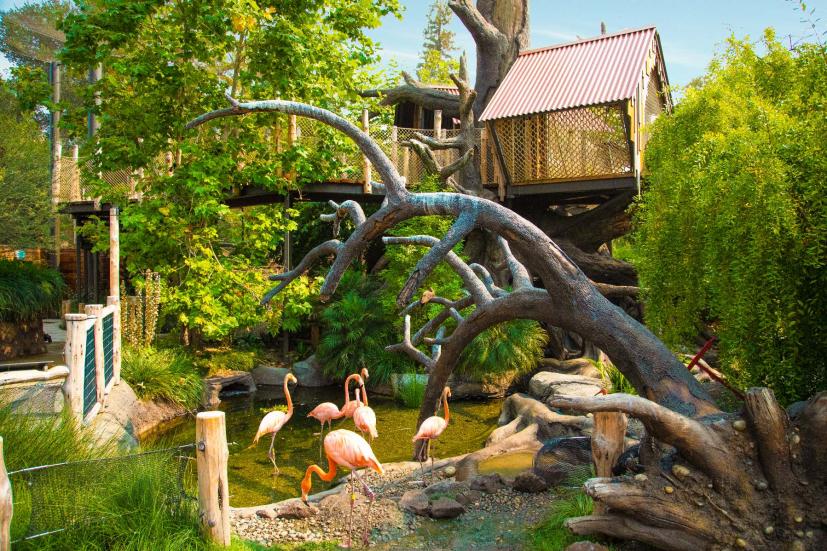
93	355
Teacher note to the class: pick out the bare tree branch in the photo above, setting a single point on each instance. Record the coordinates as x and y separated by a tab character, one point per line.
408	348
519	274
328	248
477	25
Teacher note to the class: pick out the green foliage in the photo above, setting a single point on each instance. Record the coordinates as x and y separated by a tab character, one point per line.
438	62
167	62
162	374
511	346
411	390
24	177
355	331
224	361
28	291
551	534
617	382
733	229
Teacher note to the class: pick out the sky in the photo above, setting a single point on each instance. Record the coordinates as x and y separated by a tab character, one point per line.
691	32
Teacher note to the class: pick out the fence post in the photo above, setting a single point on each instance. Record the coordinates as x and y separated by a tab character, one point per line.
366	187
395	147
292	136
94	311
74	353
438	133
6	504
116	337
213	492
607	445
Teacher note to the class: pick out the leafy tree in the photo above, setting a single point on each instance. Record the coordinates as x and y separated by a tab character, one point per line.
24	176
437	51
166	62
733	227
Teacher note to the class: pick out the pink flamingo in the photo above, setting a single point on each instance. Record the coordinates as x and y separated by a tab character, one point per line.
326	412
351	405
431	429
364	417
347	449
274	421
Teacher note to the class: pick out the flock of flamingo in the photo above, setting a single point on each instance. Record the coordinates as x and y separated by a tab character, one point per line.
345	448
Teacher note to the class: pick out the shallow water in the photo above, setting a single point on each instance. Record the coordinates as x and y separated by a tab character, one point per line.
297	444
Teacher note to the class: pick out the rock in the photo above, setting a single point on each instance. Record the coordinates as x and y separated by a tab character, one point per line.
545	385
501	433
416	502
487	386
310	374
269	376
586	546
295	509
264	513
534	411
530	483
235	382
445	507
460	491
575	366
488	483
146	416
449	471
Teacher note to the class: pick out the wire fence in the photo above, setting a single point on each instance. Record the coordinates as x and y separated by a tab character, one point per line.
49	499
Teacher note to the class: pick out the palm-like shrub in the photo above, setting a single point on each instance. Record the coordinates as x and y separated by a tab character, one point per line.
511	346
166	375
356	330
27	290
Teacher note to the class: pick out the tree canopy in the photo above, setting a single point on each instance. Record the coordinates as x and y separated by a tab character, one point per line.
436	60
733	225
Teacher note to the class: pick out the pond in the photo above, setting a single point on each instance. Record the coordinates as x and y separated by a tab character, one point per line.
297	444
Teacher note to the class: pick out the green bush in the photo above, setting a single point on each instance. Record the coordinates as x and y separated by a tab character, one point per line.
512	346
732	229
616	380
27	291
168	375
411	390
355	331
228	360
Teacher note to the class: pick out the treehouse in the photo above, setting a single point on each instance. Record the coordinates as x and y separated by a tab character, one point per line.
574	118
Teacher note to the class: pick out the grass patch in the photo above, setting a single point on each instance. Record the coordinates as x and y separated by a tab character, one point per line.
27	291
410	390
616	380
226	361
165	374
551	534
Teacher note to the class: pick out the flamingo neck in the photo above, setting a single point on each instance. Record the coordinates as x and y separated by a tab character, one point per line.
445	405
347	386
289	399
365	388
324	476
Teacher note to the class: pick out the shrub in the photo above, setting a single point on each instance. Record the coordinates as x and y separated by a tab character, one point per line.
551	533
512	346
411	390
616	380
27	291
732	230
168	375
225	361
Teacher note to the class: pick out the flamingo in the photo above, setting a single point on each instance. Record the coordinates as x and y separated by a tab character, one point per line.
350	406
274	421
347	449
364	417
326	412
431	429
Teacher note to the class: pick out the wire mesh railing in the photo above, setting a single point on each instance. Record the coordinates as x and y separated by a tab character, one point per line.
50	499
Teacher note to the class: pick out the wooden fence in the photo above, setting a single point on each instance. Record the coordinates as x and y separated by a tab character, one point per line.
93	355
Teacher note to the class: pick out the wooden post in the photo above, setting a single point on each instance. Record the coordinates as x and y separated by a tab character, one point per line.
94	311
277	139
484	157
213	492
395	147
6	504
116	338
607	445
57	152
440	156
114	254
366	187
406	161
292	135
74	353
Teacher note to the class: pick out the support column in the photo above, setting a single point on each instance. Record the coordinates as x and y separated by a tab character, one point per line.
114	254
116	338
94	311
213	491
607	445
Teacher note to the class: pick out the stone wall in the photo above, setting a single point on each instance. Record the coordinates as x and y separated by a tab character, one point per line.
21	339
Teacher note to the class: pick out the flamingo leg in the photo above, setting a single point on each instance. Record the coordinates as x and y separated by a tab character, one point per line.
271	455
352	498
427	455
371	498
421	468
321	440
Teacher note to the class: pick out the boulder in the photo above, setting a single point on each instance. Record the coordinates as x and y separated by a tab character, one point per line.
535	411
234	382
416	502
310	374
264	513
460	491
486	386
501	433
269	376
575	366
546	384
488	483
445	507
529	482
295	509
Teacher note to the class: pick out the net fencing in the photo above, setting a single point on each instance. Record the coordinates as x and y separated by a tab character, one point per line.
564	461
54	498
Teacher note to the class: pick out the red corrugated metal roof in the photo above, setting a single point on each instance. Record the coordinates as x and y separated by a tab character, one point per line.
598	70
